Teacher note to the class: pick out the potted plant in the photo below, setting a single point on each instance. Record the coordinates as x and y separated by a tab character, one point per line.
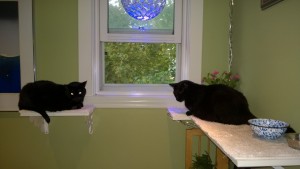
202	162
226	78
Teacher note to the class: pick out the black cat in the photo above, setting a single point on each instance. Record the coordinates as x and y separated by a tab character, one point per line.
42	96
217	102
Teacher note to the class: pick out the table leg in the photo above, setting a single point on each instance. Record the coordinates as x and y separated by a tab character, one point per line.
222	160
188	150
188	145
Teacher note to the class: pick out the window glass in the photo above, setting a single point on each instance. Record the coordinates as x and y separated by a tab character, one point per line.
140	63
121	22
10	80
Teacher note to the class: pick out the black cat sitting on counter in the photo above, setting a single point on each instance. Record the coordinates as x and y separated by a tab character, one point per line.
216	102
43	95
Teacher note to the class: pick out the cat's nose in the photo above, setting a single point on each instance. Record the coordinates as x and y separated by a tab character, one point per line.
77	99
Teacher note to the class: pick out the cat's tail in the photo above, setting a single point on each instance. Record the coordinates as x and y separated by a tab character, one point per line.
44	115
290	130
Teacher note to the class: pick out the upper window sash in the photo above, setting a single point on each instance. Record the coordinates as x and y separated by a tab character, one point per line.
134	37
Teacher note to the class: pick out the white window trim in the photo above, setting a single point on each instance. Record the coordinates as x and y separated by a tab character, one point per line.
88	39
9	101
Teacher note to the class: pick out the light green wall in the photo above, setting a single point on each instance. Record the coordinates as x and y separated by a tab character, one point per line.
215	36
267	55
122	138
128	138
56	29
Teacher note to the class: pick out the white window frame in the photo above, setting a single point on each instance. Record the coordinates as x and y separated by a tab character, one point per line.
89	43
9	101
115	37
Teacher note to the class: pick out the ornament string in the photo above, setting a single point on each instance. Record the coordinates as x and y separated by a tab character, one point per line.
230	56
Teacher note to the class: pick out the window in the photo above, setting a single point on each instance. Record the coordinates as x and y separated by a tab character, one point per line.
16	49
127	64
136	52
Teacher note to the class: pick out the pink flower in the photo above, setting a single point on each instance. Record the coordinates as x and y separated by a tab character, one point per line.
236	77
226	78
215	72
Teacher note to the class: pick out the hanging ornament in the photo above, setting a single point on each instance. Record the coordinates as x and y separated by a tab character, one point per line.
143	10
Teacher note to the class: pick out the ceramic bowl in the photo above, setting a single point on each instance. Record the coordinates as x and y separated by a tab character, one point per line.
268	128
293	140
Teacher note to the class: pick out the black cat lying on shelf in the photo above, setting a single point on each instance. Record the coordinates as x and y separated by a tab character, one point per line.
217	102
42	96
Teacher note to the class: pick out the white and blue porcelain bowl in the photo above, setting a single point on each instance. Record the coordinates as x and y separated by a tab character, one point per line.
268	128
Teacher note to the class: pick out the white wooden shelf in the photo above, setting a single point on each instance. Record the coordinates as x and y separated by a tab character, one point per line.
38	120
239	143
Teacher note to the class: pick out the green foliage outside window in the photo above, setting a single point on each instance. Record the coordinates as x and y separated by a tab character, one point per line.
140	63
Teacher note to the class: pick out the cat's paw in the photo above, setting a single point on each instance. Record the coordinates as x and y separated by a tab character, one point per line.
189	113
77	107
80	106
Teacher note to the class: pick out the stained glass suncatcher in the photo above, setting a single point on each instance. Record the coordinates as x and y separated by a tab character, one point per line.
143	9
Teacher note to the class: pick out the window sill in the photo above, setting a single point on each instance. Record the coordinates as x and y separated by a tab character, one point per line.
132	101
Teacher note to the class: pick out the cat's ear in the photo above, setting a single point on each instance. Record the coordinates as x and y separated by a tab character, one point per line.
83	83
172	84
185	85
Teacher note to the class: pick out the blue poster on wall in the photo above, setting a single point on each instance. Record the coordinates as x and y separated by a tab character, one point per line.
10	81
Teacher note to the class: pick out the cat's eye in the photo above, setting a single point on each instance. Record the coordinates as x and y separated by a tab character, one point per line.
79	92
72	94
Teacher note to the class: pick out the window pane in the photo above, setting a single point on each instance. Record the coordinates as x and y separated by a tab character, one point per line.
120	22
140	63
10	80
